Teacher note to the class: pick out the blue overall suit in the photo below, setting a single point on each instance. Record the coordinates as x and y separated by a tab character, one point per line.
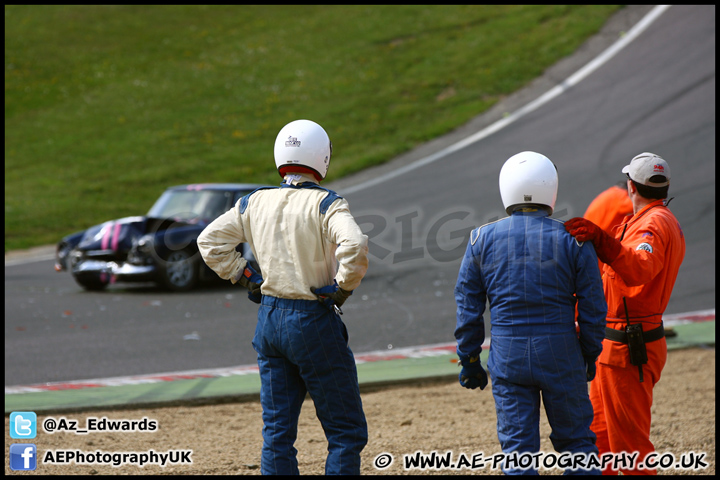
302	347
534	274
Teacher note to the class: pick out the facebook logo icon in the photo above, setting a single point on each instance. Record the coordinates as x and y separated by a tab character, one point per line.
23	456
23	425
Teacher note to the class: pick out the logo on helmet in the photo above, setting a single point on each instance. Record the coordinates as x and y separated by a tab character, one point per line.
527	198
292	142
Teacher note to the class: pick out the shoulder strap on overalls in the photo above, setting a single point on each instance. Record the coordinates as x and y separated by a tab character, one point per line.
327	201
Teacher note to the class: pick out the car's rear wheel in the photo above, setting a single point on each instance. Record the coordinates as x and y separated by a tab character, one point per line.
180	272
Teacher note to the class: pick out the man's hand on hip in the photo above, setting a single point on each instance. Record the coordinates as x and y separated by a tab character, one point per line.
251	280
331	294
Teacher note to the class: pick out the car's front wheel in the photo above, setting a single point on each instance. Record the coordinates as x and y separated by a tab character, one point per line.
93	283
180	272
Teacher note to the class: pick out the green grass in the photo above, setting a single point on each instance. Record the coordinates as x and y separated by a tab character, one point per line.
105	106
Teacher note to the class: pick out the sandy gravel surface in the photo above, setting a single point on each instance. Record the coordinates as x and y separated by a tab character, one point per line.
438	416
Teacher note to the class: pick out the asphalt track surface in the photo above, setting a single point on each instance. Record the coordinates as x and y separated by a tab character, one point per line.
657	94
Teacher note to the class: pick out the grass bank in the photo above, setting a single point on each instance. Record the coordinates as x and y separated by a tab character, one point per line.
105	106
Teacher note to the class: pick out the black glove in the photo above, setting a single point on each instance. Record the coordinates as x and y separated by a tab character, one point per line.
251	280
331	294
472	374
590	367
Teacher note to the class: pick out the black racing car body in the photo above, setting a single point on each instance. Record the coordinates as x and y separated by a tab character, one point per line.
159	247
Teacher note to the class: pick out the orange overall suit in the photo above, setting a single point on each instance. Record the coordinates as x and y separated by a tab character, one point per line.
609	209
644	274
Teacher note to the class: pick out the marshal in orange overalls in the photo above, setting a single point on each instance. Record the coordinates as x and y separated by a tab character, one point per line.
609	209
644	272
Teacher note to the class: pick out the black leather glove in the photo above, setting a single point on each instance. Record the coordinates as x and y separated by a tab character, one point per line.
590	367
251	280
472	374
331	294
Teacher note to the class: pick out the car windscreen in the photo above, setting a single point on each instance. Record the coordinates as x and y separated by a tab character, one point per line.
191	205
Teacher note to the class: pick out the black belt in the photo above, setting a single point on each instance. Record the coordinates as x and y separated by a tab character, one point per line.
621	336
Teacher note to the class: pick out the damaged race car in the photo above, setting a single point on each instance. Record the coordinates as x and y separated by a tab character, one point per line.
160	247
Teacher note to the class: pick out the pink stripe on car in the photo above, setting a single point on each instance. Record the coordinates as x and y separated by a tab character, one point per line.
106	236
116	236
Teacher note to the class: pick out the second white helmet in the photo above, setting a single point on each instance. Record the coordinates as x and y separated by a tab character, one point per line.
528	178
303	146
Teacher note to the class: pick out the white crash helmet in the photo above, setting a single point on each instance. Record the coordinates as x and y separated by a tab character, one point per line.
303	146
528	178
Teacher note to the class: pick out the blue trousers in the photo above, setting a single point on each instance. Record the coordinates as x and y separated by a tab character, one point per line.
522	370
302	348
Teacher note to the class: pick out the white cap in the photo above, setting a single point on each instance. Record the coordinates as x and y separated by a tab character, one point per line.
645	166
